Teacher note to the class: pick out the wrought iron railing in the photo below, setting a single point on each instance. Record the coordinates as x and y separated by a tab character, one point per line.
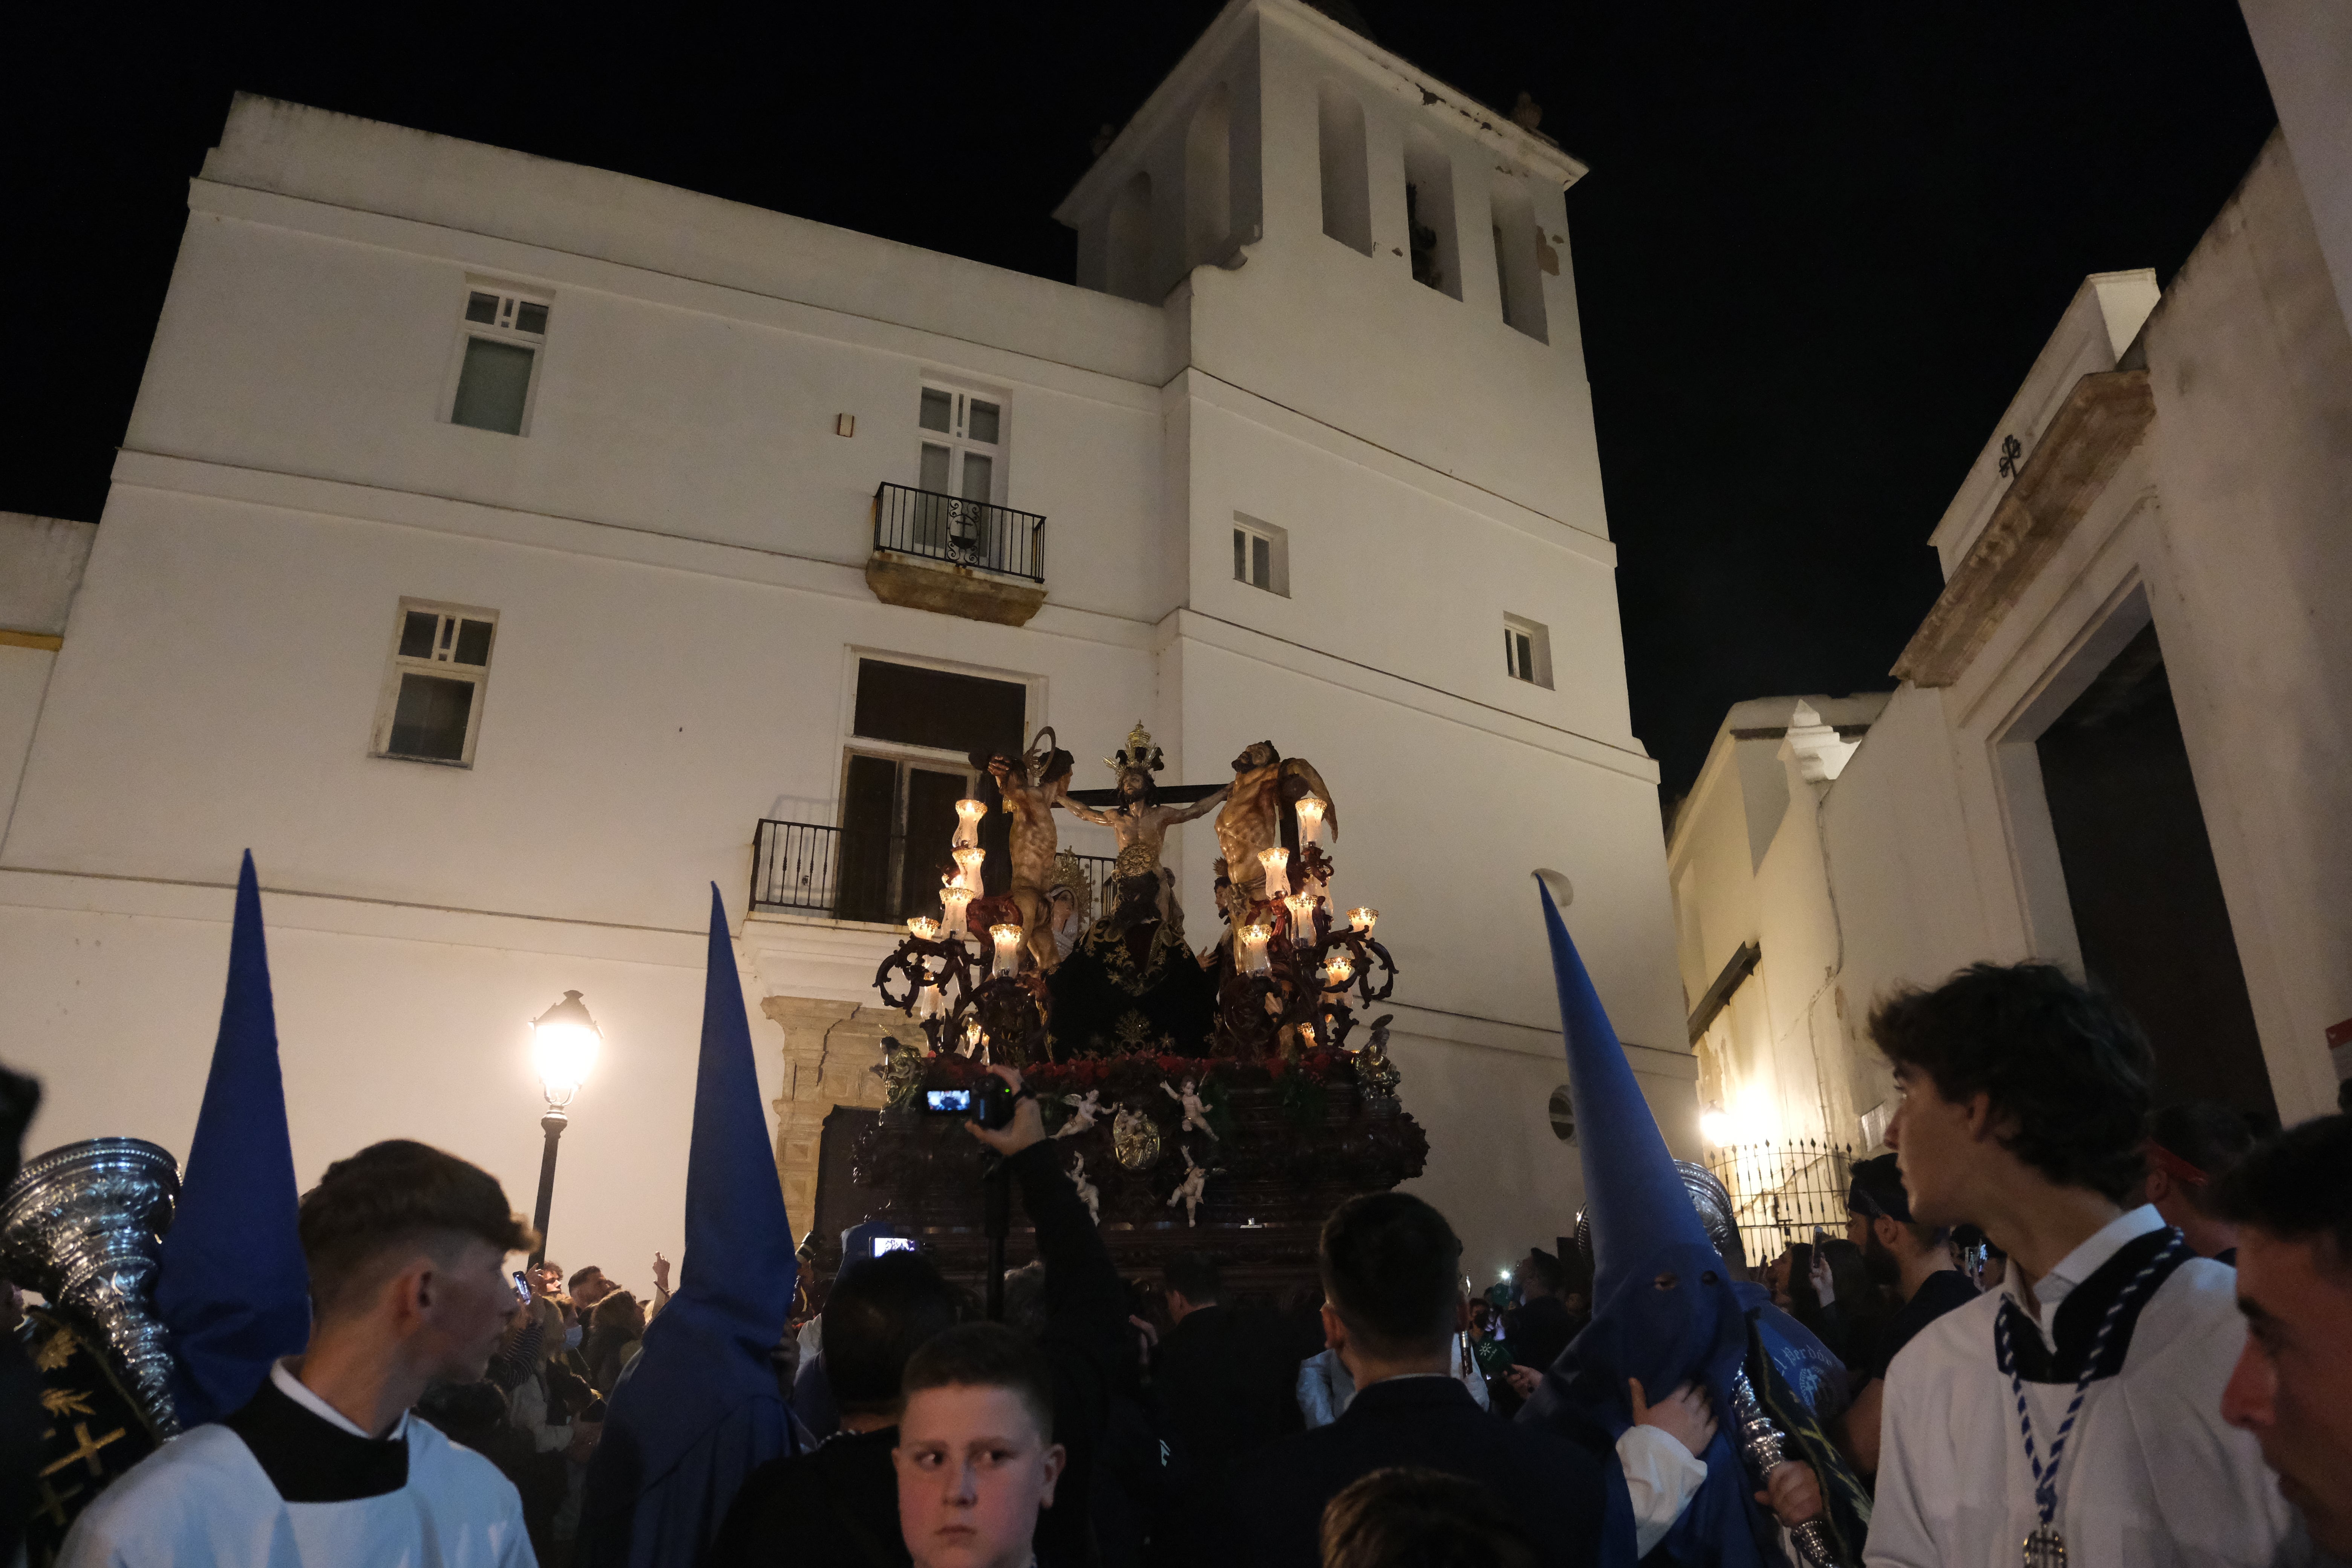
847	875
966	532
1781	1192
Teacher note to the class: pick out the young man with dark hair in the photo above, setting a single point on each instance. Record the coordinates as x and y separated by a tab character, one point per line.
2292	1201
2077	1409
1391	1271
407	1248
1408	1517
835	1507
2190	1147
1224	1380
1912	1260
977	1463
587	1286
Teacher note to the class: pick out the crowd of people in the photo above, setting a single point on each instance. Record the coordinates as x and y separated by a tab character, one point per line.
2059	1323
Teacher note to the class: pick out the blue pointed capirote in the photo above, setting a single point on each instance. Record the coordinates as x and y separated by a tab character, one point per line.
231	1286
1665	1311
1633	1192
700	1408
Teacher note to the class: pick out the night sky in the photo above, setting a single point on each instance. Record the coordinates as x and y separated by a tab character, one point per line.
1818	249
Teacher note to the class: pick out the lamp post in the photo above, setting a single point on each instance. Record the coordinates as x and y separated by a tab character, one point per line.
564	1047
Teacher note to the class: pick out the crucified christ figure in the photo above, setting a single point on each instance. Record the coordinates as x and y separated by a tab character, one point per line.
1140	823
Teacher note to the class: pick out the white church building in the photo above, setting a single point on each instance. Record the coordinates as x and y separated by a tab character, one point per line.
507	551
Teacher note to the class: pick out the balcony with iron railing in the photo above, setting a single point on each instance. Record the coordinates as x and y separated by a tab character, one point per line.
957	556
843	874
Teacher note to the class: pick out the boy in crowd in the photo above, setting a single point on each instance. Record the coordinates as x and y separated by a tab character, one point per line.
407	1248
2077	1409
976	1459
2190	1148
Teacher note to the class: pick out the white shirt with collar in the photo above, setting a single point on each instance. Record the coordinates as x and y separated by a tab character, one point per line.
203	1500
2151	1475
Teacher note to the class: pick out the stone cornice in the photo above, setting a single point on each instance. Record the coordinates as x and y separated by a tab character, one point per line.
2103	418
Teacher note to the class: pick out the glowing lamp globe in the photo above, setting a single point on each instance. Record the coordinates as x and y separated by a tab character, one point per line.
564	1041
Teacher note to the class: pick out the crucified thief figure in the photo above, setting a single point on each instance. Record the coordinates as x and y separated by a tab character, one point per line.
1033	839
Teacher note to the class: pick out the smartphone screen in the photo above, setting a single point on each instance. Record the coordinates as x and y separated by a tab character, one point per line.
946	1100
883	1244
523	1286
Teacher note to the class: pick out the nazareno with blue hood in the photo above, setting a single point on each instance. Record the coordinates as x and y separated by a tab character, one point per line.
1668	1308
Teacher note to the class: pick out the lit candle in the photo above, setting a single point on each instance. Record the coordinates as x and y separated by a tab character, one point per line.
1302	918
1278	872
1254	940
1337	971
1363	918
1008	947
924	929
968	816
1310	821
968	862
955	896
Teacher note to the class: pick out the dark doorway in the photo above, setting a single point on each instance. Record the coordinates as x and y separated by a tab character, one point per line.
2140	876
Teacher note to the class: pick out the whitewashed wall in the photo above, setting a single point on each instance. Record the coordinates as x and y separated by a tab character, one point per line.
2224	530
674	550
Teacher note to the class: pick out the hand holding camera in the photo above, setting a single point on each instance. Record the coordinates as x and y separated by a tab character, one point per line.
1007	1117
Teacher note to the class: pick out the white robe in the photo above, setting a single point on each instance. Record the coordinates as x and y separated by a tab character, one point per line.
2151	1476
203	1499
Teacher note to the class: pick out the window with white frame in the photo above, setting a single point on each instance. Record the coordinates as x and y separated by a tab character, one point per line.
1527	650
501	336
962	445
431	710
1261	555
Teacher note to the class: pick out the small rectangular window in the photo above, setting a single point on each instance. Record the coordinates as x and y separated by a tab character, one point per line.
431	708
1527	652
501	340
1261	555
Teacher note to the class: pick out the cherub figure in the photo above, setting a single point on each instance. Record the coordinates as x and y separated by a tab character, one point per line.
1084	1109
1195	1114
1188	1191
1089	1194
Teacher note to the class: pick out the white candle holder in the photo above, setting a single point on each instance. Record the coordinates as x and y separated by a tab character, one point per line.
967	863
1302	918
1363	918
1254	939
1276	865
954	896
1337	971
930	1003
1007	939
1310	821
968	816
922	928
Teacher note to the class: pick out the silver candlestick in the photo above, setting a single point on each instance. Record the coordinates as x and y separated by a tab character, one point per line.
1765	1447
83	1225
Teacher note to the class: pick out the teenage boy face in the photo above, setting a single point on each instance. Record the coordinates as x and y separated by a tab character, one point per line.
1935	1140
2293	1386
973	1471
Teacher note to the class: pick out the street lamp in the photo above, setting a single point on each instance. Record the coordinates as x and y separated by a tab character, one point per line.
563	1048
